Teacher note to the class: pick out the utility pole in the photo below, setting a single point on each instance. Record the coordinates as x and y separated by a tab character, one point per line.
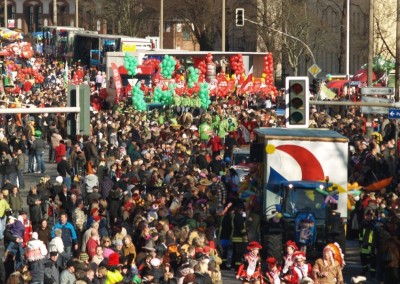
397	61
223	27
5	13
77	13
54	12
161	23
370	42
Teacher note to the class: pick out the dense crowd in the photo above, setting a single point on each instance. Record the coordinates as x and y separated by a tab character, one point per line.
150	196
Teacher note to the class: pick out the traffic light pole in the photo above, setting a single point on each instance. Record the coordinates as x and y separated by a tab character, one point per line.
288	35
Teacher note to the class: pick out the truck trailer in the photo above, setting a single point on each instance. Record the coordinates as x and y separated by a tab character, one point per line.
303	182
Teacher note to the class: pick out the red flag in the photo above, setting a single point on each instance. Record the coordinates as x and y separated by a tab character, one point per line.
248	83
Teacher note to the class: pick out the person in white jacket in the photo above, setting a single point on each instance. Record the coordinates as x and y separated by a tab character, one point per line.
57	244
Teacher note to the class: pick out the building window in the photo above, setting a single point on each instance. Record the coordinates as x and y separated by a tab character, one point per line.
167	27
186	34
178	27
35	18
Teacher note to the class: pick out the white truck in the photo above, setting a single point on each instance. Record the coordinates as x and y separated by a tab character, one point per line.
303	176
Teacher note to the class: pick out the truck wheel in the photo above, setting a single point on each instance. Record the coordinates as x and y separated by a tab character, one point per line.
272	245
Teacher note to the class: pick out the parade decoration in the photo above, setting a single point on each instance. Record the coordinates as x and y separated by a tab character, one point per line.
130	64
138	99
167	66
163	97
381	64
193	76
204	95
237	64
10	35
21	50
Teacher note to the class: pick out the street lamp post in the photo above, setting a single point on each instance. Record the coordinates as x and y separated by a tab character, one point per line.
348	40
288	35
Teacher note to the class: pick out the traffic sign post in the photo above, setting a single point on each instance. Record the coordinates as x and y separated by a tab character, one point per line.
314	70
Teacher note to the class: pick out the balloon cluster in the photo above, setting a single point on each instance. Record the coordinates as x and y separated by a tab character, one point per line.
138	99
268	72
164	97
154	62
130	64
201	65
167	66
193	76
204	95
236	62
25	74
21	50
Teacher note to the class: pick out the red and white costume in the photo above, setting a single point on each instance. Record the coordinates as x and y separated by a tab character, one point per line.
28	228
250	269
299	269
273	272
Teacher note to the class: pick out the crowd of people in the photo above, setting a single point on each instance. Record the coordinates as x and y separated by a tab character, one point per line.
149	196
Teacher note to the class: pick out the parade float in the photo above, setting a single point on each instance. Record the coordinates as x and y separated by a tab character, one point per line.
169	80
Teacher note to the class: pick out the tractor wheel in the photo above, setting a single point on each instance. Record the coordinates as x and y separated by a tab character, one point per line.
272	245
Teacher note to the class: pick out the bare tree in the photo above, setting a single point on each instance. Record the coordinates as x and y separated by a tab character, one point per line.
203	18
132	17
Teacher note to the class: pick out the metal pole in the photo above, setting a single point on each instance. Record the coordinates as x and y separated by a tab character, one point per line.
54	12
348	40
76	13
5	13
370	42
397	61
161	24
40	110
223	26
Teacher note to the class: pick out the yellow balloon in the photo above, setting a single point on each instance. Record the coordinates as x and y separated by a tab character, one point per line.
233	76
182	78
227	78
264	75
262	80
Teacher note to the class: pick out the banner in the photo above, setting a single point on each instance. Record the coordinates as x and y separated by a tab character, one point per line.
117	80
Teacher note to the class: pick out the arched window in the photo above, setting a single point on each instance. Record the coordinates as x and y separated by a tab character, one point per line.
34	20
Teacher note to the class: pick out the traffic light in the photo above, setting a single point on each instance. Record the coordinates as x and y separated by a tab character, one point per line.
297	102
239	17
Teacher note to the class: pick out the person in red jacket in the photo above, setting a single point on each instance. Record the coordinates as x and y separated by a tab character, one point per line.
216	145
92	243
61	150
250	270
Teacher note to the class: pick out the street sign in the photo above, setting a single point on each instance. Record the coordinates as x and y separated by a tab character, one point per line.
394	113
314	70
355	83
377	91
375	109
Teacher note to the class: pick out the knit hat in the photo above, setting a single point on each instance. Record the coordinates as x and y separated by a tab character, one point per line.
83	256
